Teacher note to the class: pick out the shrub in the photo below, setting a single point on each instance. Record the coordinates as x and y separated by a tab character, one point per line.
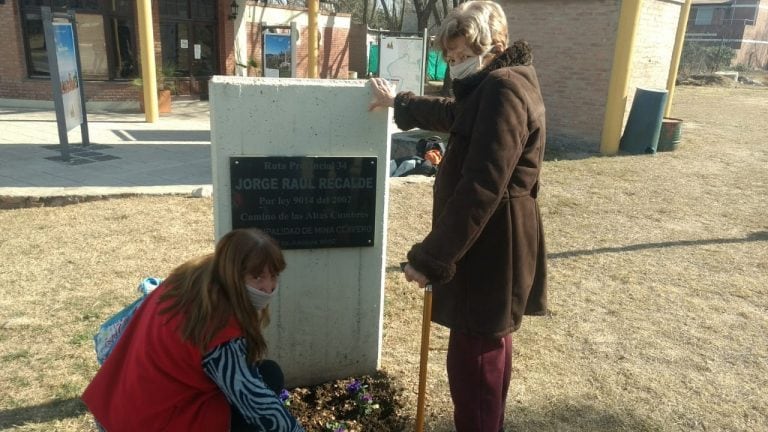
698	57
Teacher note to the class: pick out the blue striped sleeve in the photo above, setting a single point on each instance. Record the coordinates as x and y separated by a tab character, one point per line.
244	388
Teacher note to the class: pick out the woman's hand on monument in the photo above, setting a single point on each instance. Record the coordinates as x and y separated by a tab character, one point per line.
382	94
413	275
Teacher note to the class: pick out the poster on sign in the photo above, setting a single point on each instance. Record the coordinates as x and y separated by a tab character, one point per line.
68	73
277	55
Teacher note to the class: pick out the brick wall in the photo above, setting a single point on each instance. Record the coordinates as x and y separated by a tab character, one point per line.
12	46
95	91
333	53
333	59
654	42
226	40
573	42
254	48
14	83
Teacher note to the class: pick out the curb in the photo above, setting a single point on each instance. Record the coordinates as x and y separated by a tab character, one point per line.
16	198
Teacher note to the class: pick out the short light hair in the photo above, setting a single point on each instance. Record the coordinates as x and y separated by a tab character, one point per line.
482	23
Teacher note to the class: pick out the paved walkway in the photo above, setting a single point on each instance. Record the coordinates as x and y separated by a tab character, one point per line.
127	155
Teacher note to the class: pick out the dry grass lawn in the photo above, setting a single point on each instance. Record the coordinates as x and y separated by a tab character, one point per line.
658	279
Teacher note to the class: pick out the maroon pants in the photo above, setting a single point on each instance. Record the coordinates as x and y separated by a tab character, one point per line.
479	370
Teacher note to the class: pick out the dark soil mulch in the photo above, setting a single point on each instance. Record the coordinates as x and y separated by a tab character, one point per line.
362	404
706	80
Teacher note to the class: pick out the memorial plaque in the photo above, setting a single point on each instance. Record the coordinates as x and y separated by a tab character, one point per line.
306	202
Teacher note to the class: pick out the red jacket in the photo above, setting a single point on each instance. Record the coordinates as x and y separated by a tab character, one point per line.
154	381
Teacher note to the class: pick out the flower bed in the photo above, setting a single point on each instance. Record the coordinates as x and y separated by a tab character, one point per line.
368	403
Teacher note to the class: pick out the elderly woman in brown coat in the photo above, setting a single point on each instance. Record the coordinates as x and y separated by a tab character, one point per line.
485	254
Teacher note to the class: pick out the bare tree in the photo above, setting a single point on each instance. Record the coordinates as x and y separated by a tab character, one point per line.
427	10
373	10
390	14
363	12
387	14
423	9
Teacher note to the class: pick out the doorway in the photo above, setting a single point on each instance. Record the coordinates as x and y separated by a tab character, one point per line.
188	40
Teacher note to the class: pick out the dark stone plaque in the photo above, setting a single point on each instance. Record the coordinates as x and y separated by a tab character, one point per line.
306	202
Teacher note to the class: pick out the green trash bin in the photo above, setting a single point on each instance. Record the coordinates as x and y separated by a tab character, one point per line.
641	135
671	131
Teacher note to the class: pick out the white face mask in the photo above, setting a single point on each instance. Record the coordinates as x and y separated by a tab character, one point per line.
260	299
467	67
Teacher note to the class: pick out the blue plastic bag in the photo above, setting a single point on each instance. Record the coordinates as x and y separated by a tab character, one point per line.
109	333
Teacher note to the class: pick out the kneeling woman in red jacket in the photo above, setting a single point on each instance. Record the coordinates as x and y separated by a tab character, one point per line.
191	358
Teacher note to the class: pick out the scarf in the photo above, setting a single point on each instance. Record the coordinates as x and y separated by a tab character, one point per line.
518	54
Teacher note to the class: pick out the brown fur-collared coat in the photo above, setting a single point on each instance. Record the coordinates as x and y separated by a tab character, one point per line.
485	254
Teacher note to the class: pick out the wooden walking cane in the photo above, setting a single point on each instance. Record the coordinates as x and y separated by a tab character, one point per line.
424	354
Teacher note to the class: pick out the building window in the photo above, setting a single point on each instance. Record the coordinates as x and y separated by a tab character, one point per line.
80	5
704	15
92	46
174	8
34	40
194	9
125	53
123	7
106	37
745	14
203	9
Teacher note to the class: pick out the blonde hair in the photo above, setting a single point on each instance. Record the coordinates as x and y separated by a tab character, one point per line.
482	23
209	290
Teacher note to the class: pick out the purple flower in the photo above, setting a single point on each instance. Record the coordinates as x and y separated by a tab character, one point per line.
284	395
367	398
336	426
354	387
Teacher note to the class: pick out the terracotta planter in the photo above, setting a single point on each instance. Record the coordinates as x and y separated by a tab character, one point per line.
163	101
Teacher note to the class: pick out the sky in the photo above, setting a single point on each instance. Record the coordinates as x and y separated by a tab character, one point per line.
275	44
65	48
